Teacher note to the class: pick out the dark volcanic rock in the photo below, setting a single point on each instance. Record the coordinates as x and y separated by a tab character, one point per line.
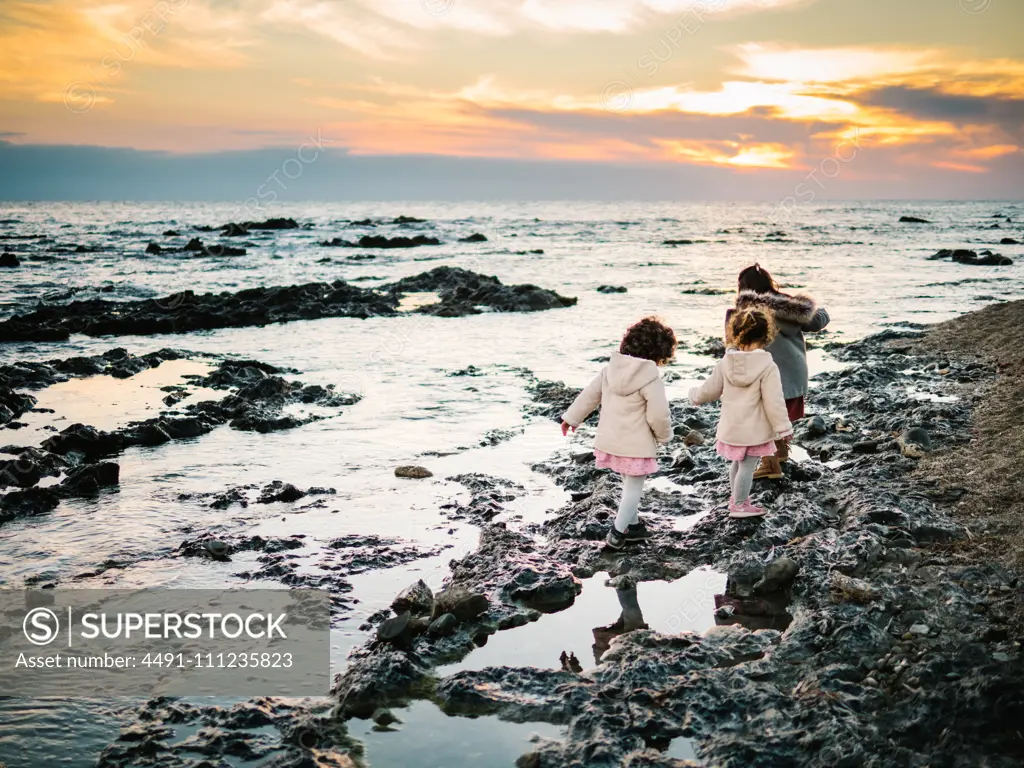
610	289
913	220
476	237
1009	241
408	220
381	241
964	256
461	292
280	223
9	260
186	311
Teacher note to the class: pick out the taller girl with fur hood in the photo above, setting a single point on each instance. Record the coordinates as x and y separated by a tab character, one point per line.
794	315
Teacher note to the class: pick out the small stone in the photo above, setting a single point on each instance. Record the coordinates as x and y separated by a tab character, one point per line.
870	682
815	427
413	472
915	442
611	289
693	437
393	628
384	717
907	636
682	459
216	548
460	601
443	625
416	598
1000	656
846	587
920	629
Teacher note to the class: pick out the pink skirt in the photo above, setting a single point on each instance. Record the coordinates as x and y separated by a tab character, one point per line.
740	452
625	465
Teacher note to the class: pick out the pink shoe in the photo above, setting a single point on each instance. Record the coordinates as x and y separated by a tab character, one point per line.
745	509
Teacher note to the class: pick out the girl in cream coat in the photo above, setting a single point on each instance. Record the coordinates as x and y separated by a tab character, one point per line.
754	415
635	417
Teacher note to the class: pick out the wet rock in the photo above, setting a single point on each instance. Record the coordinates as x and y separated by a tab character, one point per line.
408	220
710	346
677	242
965	256
462	292
86	480
1009	241
443	625
913	220
476	237
693	437
86	440
172	233
462	603
384	717
278	491
9	260
848	588
413	472
611	289
778	576
217	549
416	599
865	446
233	230
915	442
279	223
154	248
815	427
381	241
394	630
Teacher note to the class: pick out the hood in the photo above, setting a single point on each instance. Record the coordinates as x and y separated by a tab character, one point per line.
627	375
741	369
797	308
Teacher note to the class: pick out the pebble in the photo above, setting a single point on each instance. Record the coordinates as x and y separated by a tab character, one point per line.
694	437
919	629
870	681
416	473
1000	656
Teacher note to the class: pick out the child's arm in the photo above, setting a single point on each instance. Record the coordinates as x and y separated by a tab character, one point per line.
659	417
775	404
818	322
710	390
585	403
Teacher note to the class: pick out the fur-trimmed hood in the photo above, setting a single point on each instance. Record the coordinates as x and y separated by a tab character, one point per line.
796	308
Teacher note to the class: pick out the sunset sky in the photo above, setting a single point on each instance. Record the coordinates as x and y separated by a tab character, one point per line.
916	87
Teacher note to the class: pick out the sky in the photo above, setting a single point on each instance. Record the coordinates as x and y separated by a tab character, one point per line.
637	98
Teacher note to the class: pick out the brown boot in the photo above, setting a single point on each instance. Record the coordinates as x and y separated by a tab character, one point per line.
769	469
781	450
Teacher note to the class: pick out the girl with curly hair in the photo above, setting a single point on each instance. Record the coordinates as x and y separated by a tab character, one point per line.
635	418
753	416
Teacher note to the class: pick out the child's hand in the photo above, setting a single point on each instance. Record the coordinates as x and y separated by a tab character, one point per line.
566	428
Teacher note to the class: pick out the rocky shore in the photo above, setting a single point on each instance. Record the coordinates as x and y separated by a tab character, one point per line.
461	292
872	619
898	653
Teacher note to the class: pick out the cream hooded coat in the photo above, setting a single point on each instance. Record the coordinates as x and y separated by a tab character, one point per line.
750	387
634	409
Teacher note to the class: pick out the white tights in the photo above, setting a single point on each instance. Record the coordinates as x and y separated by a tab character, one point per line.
632	487
741	477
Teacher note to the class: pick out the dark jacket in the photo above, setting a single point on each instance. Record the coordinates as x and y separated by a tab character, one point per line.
794	316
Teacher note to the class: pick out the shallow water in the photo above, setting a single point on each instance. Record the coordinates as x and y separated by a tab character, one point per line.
429	738
600	614
866	268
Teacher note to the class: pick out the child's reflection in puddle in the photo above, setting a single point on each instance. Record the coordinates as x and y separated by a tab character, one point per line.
629	619
740	605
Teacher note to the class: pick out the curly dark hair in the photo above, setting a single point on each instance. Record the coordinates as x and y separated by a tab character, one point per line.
649	339
752	325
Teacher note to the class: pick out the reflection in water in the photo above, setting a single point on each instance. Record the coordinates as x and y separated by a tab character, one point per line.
426	737
631	618
670	607
739	605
